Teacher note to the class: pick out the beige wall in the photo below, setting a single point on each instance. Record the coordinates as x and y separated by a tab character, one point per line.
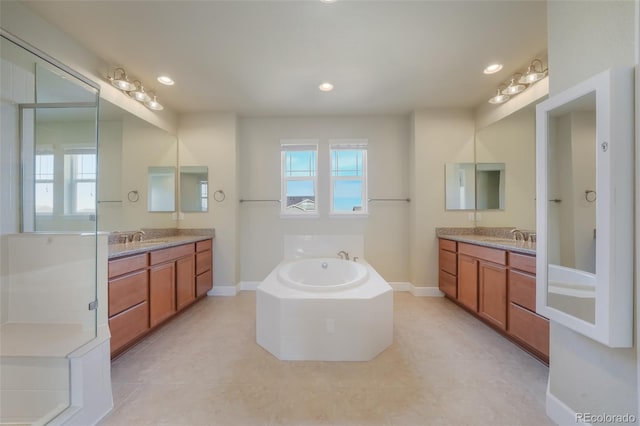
438	137
384	230
209	139
586	38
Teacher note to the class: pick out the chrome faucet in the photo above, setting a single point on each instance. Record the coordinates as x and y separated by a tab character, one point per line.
137	234
516	232
343	255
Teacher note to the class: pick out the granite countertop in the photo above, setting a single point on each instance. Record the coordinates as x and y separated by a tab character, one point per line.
126	249
495	237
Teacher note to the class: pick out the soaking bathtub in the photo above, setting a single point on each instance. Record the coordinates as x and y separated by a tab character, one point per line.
324	309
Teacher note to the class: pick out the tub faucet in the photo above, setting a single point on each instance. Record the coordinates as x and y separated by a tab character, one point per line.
343	255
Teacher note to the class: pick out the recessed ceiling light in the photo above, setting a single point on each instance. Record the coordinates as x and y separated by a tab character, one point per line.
326	87
167	81
493	68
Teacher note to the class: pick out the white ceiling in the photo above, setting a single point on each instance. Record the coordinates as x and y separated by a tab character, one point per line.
268	57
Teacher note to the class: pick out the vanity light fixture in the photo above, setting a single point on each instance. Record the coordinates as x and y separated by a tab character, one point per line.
135	90
121	80
515	86
535	72
154	104
326	87
139	94
519	83
500	97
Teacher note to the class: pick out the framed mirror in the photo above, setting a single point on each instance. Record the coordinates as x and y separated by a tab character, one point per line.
162	189
194	188
475	186
584	203
460	186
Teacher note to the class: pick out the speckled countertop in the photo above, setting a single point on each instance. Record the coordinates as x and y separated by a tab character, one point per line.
488	237
159	239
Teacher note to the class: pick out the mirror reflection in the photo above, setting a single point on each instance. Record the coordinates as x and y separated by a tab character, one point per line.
571	212
162	189
490	184
194	188
512	142
128	147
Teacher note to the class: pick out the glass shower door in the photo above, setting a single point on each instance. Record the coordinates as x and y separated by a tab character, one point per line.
48	238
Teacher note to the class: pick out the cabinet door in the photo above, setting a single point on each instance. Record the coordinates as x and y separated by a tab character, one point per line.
162	292
204	283
492	280
468	281
185	281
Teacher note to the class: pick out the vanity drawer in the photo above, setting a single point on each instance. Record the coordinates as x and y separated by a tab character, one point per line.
523	262
447	245
204	283
448	284
127	264
522	290
171	253
203	245
448	262
484	253
530	328
127	291
203	262
128	325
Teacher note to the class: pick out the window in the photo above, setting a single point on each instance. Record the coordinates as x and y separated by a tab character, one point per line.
349	177
299	178
80	179
44	182
204	195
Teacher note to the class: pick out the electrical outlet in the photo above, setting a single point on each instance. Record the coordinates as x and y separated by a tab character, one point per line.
471	217
478	216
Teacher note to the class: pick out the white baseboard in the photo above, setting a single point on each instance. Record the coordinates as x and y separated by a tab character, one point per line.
559	412
416	291
224	290
249	285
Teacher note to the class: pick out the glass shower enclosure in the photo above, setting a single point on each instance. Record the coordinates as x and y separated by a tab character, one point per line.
48	229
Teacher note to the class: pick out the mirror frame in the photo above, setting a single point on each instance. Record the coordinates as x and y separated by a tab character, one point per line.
613	324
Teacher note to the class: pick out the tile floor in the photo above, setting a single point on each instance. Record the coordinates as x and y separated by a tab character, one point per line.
444	368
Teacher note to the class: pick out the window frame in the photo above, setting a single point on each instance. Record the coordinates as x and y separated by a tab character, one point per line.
41	152
292	145
71	181
349	145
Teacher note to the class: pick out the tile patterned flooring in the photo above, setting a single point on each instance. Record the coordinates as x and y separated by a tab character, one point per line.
444	368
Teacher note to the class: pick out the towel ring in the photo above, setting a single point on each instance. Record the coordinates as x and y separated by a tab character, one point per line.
590	195
133	196
219	195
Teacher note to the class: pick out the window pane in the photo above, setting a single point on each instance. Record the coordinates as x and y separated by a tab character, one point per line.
44	197
346	163
300	195
44	167
300	163
85	166
347	195
85	197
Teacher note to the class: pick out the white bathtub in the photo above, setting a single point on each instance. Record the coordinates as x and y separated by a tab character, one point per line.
322	274
324	309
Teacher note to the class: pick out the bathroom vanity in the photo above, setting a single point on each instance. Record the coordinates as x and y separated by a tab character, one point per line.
151	281
495	279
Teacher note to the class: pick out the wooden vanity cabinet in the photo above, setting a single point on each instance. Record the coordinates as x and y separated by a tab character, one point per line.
147	289
498	286
448	268
171	281
525	325
204	267
128	309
